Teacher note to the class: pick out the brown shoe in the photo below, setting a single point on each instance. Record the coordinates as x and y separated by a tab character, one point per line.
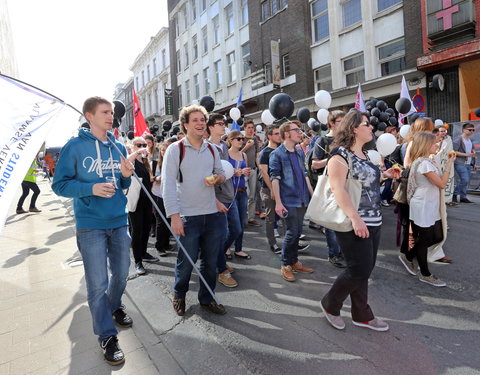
299	267
179	306
287	273
254	223
226	279
230	268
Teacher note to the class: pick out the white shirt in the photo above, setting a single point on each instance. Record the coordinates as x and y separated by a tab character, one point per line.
468	149
425	203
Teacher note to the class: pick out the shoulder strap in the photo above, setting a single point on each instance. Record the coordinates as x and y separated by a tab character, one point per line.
181	146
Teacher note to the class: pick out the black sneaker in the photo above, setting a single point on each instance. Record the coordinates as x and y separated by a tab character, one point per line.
150	258
122	318
465	200
336	261
454	199
111	351
302	248
276	249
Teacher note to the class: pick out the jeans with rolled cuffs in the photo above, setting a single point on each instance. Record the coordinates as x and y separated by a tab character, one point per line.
293	229
203	239
100	249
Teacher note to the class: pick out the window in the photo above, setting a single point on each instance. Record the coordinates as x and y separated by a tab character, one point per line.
229	19
247	63
352	12
392	57
218	73
185	51
283	4
176	26
196	84
164	59
354	70
206	80
187	91
267	71
216	30
274	6
203	5
156	99
180	98
179	62
149	104
285	65
143	78
148	73
320	20
204	40
232	70
244	12
384	4
323	78
195	47
194	10
265	10
184	19
154	63
138	86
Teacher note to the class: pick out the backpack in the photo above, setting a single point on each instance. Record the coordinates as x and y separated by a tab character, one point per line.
181	146
313	174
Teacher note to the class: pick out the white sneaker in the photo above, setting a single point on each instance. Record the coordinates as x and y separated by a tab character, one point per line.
375	324
432	280
276	234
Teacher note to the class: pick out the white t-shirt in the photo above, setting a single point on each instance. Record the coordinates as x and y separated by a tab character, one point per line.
468	149
425	203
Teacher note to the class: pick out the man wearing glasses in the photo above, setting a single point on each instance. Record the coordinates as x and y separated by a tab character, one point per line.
464	162
292	191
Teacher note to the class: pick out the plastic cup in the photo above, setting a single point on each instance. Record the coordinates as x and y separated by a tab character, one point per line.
111	180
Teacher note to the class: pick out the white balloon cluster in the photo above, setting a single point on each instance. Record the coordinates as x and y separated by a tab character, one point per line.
323	100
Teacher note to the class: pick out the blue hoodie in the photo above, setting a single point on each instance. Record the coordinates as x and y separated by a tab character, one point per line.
85	161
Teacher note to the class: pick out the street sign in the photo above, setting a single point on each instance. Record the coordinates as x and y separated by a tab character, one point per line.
418	102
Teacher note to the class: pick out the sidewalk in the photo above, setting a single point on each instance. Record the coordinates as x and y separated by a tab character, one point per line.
46	325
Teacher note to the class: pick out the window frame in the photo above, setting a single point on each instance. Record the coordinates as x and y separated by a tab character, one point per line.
194	48
387	6
218	66
359	18
216	30
243	12
316	17
322	83
286	71
347	73
204	40
400	55
229	19
247	68
206	80
232	68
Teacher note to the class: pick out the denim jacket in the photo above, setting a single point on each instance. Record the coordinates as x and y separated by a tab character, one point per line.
281	168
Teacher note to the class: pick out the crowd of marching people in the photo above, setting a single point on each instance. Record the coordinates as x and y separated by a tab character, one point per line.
206	185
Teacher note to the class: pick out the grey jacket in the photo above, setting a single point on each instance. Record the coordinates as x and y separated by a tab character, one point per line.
459	146
224	192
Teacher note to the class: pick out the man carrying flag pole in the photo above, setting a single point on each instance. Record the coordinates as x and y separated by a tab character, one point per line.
140	124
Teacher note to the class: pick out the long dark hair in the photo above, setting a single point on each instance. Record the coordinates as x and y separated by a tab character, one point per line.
345	136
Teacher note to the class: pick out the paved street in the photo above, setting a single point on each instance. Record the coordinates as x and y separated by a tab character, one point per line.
272	326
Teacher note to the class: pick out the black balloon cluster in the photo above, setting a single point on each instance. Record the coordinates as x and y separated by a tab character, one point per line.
382	116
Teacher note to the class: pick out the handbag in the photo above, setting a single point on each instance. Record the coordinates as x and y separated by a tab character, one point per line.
324	210
133	194
400	195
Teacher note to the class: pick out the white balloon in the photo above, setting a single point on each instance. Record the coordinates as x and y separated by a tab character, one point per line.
259	128
267	117
235	113
374	157
227	168
195	102
438	122
323	99
404	130
310	122
322	115
386	144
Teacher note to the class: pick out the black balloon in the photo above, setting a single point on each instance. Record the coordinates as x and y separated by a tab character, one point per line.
303	114
374	120
159	138
375	112
369	105
390	111
381	126
413	117
118	109
281	106
381	105
324	127
208	103
393	121
116	123
374	101
316	126
151	129
242	109
166	125
384	117
240	121
130	135
477	112
165	133
86	125
175	130
403	105
155	128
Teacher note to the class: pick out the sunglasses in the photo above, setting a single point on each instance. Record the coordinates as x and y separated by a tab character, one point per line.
141	145
239	139
470	130
365	123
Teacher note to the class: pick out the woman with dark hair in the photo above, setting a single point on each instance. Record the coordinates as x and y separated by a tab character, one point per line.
360	245
141	219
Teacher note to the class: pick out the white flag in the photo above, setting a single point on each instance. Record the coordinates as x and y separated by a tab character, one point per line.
25	121
359	102
404	94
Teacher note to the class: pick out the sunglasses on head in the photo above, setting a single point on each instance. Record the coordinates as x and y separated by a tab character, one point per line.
141	145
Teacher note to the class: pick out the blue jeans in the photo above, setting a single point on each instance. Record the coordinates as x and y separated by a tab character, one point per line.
293	230
462	178
233	228
242	207
332	244
203	236
100	249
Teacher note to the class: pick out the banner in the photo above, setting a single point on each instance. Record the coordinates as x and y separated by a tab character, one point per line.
359	102
140	124
25	121
275	56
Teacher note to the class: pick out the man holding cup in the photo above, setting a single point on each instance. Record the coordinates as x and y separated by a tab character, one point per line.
89	170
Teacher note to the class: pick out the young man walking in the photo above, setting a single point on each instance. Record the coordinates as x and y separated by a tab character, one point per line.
191	169
92	172
292	191
464	163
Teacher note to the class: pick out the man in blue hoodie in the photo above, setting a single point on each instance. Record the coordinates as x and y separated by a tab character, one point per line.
92	172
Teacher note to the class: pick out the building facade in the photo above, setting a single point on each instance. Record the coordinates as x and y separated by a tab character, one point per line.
152	78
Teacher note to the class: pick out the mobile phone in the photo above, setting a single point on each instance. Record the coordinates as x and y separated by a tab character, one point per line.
284	213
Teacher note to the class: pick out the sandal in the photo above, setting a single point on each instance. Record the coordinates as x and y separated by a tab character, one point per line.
246	256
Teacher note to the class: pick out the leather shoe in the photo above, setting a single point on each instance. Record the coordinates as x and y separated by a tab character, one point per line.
287	273
214	307
179	306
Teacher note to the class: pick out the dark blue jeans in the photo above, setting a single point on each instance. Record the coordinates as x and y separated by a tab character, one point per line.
242	207
203	236
332	244
233	228
293	230
462	179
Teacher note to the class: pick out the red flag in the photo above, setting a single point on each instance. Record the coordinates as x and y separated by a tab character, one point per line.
139	121
359	102
115	133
